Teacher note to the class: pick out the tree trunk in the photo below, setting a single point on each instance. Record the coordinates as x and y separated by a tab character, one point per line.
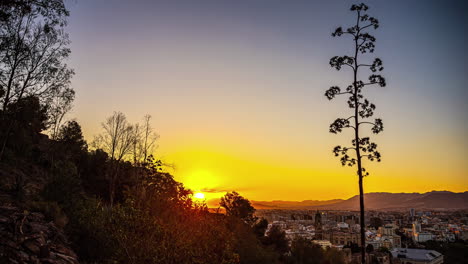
362	222
358	151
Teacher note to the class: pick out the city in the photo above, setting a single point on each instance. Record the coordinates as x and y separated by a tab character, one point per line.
390	236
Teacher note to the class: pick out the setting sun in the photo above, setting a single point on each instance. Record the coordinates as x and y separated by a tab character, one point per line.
199	195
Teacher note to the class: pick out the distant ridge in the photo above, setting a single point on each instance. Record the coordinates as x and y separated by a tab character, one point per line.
292	204
377	201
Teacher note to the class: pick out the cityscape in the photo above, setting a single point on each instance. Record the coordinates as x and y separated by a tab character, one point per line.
403	234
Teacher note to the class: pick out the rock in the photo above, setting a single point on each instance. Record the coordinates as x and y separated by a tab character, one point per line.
37	227
44	251
3	220
32	246
27	238
34	260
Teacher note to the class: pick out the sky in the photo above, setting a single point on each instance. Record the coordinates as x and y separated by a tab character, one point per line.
236	91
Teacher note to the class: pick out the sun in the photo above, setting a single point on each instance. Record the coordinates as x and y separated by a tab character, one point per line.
199	195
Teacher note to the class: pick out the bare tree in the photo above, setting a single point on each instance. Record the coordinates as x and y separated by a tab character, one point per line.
136	144
59	106
144	141
116	139
149	138
362	147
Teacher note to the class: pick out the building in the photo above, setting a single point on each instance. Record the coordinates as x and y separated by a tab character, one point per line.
412	213
419	235
416	227
323	243
422	236
342	238
387	230
385	241
417	256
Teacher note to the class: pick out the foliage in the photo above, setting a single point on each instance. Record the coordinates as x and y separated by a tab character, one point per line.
64	185
123	142
22	123
237	206
354	247
362	107
454	252
260	227
277	238
33	50
303	251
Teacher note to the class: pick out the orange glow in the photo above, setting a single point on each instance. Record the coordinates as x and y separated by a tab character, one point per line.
313	174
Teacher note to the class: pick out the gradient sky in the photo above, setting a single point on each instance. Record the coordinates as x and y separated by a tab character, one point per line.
236	89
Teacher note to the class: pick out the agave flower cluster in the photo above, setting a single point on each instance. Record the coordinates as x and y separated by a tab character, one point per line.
363	109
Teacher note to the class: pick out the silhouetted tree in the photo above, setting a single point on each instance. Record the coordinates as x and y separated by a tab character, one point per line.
70	134
148	141
30	119
260	228
93	171
239	207
362	147
71	140
33	48
59	106
144	141
277	237
353	246
303	251
116	139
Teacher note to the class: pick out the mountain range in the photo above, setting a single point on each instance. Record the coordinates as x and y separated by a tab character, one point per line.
440	200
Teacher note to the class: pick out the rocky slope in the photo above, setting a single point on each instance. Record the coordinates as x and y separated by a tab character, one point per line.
28	238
